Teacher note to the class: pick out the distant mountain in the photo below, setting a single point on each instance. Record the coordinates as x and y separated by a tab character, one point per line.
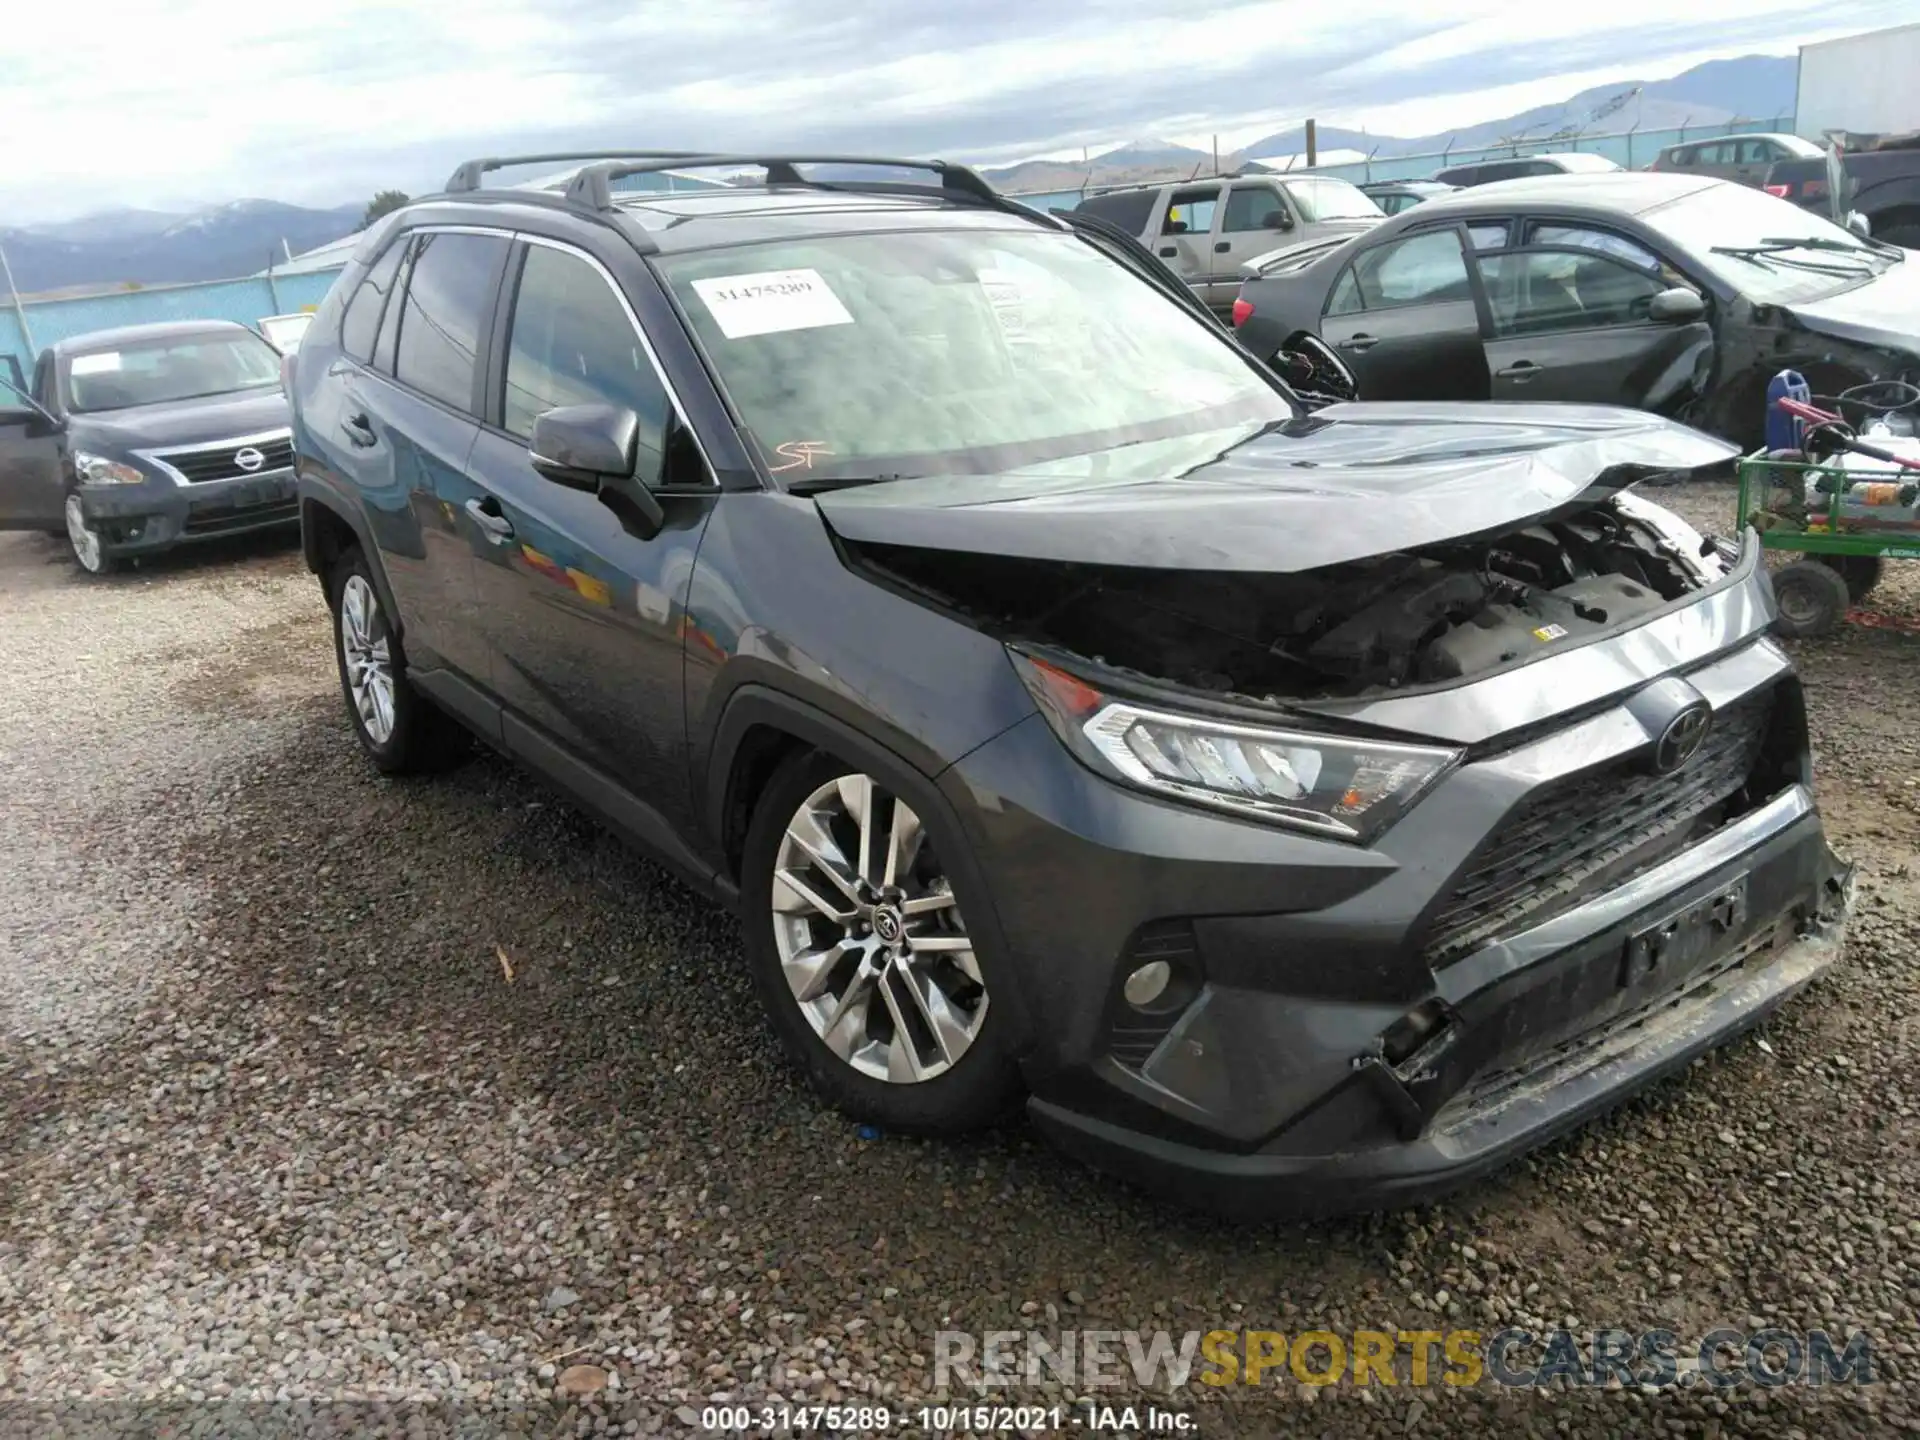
1135	160
142	247
1755	87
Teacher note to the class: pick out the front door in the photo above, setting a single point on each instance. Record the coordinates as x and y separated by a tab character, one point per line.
1404	318
1186	236
1571	322
584	617
32	460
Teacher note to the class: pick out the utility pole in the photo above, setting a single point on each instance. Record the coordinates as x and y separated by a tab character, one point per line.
1216	154
1313	144
26	331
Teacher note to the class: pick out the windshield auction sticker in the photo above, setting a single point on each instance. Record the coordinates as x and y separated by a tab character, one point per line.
771	301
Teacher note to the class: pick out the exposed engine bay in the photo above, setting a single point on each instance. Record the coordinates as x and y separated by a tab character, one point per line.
1443	612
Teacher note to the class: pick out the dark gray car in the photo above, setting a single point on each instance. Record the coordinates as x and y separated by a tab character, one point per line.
1665	292
1297	809
135	440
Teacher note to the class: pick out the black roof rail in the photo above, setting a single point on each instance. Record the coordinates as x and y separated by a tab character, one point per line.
593	186
471	173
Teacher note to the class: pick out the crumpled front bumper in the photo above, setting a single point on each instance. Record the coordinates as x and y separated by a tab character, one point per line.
146	519
1548	1028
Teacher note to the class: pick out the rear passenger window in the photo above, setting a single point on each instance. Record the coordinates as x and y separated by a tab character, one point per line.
448	288
1191	212
572	344
1424	269
361	323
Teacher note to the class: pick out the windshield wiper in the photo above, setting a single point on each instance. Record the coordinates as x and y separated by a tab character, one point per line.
1769	255
1814	242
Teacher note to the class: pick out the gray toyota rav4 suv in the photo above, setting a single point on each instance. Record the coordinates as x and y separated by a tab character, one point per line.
1301	808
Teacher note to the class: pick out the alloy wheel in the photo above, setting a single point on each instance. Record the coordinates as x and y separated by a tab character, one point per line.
366	653
870	938
84	539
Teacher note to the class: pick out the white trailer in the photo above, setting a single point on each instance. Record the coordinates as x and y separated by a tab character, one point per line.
1860	84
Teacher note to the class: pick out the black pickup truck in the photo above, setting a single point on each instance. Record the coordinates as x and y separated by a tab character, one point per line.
1882	183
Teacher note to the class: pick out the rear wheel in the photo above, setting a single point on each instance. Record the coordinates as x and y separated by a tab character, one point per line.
398	728
1811	599
861	954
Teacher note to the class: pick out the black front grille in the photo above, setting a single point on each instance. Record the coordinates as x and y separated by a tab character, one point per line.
1597	827
240	517
216	462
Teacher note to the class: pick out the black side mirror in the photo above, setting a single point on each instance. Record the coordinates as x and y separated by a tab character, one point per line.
595	448
1277	220
1678	306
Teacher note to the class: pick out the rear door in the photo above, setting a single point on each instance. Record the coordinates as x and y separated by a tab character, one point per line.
1255	219
1186	236
32	457
1569	321
409	421
1405	318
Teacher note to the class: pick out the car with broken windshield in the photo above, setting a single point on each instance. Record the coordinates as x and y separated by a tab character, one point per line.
1292	806
1669	292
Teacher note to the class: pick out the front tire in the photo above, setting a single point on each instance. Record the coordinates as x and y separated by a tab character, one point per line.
861	955
89	551
399	729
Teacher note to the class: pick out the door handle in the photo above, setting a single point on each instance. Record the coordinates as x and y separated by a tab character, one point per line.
1169	251
495	526
1220	247
1520	370
359	430
1360	342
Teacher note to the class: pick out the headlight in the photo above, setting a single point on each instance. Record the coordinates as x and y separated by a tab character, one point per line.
98	470
1344	788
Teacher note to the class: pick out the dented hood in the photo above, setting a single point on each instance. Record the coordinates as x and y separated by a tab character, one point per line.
1347	482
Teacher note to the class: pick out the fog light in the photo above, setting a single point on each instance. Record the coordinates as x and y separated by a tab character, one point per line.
1147	984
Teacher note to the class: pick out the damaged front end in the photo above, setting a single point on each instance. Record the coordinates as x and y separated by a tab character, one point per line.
1441	613
1386	861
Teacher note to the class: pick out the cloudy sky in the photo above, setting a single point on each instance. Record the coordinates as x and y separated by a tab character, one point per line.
106	103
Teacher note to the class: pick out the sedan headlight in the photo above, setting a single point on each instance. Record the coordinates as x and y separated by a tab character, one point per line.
1347	789
98	470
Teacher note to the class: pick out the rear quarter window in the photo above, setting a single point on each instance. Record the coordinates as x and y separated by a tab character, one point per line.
1129	210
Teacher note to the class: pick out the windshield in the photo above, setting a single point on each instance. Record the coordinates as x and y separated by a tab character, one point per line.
954	352
178	369
1330	199
1781	253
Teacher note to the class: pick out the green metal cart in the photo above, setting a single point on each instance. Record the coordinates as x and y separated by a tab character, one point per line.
1845	521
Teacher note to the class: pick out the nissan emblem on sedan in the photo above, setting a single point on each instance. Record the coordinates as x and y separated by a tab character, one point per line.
1681	738
249	459
1261	794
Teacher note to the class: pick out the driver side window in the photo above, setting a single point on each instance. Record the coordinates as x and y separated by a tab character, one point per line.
1536	292
572	344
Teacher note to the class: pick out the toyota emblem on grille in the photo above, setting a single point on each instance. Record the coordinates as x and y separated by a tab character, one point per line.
1681	738
249	459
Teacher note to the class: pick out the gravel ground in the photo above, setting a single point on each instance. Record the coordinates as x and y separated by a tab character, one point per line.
316	1085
